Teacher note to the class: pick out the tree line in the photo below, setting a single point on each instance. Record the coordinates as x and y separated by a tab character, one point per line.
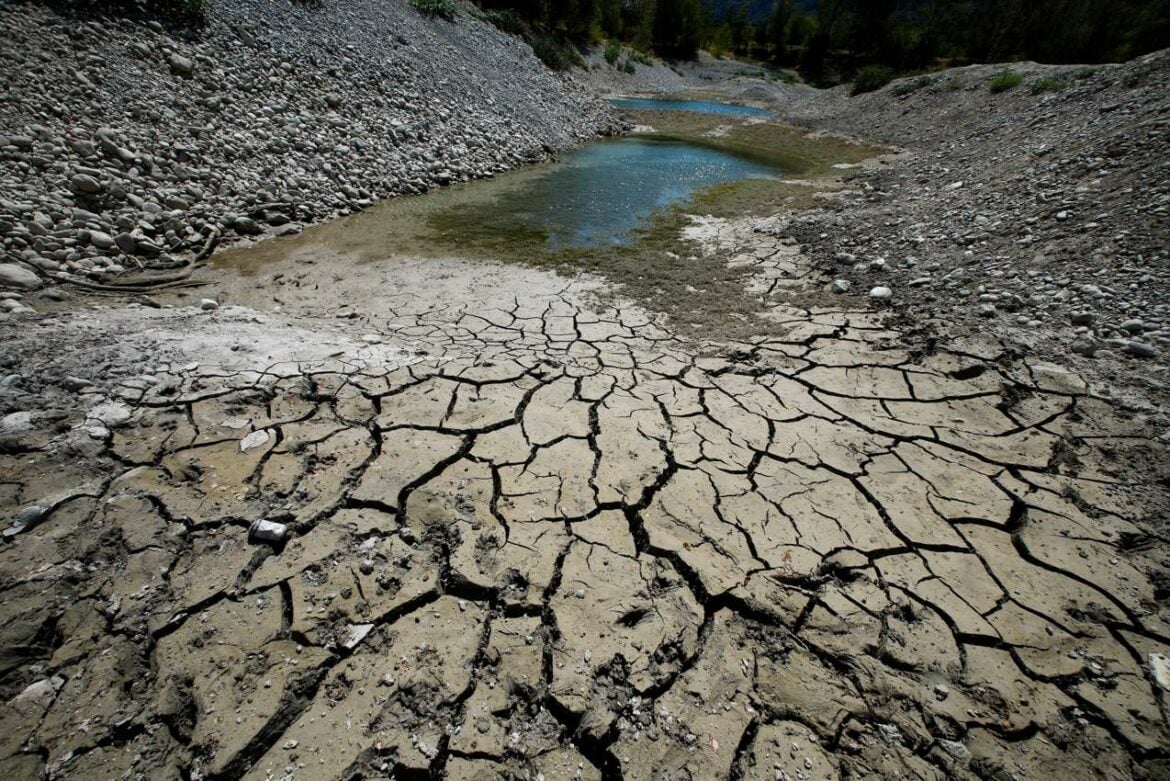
839	36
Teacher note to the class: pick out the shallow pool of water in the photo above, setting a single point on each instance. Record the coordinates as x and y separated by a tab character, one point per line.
596	196
697	106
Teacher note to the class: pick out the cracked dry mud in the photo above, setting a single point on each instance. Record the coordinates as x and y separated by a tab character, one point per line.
538	536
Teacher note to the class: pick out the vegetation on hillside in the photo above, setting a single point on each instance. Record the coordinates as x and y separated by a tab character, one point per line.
832	40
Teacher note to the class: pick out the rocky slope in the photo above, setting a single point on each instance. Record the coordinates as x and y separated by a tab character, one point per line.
124	144
1038	213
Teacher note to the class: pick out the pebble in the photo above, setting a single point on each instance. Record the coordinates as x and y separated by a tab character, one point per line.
881	293
208	304
1142	350
841	286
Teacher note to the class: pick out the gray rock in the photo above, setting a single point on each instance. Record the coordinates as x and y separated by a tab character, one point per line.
881	293
841	285
987	310
101	240
1142	350
181	66
246	226
126	243
85	184
12	275
1133	326
1085	347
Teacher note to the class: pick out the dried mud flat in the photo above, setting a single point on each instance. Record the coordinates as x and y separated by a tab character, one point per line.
535	535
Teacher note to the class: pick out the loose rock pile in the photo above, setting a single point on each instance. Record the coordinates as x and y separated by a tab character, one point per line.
125	146
1037	215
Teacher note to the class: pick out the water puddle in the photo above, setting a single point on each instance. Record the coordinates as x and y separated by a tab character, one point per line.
615	209
695	106
597	196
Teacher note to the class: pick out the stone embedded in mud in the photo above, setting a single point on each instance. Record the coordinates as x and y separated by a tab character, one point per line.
254	440
1160	670
111	414
267	531
25	519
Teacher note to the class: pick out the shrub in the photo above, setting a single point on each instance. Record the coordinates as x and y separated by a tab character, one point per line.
872	77
1085	73
612	52
444	9
1136	76
627	66
954	84
507	20
910	87
1048	84
1006	80
641	58
555	52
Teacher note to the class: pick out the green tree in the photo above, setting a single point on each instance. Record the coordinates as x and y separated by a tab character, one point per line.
777	30
677	27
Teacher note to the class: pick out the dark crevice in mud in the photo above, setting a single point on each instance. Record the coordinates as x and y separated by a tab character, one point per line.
739	765
459	704
295	699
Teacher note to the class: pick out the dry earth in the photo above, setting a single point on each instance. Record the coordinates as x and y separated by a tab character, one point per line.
532	533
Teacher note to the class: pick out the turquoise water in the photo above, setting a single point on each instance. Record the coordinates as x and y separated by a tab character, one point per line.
598	195
698	106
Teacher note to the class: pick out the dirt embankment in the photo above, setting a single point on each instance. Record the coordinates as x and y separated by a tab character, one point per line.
124	144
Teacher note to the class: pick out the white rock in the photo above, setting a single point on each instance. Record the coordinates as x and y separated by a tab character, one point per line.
881	293
1160	670
357	633
254	440
16	422
110	414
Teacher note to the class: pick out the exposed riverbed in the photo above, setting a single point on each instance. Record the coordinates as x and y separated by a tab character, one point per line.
616	208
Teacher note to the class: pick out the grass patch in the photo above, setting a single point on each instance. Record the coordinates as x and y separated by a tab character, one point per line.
1048	84
1006	80
443	9
910	87
870	78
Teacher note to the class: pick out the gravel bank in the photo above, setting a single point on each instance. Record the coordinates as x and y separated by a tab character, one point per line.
124	145
1037	214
